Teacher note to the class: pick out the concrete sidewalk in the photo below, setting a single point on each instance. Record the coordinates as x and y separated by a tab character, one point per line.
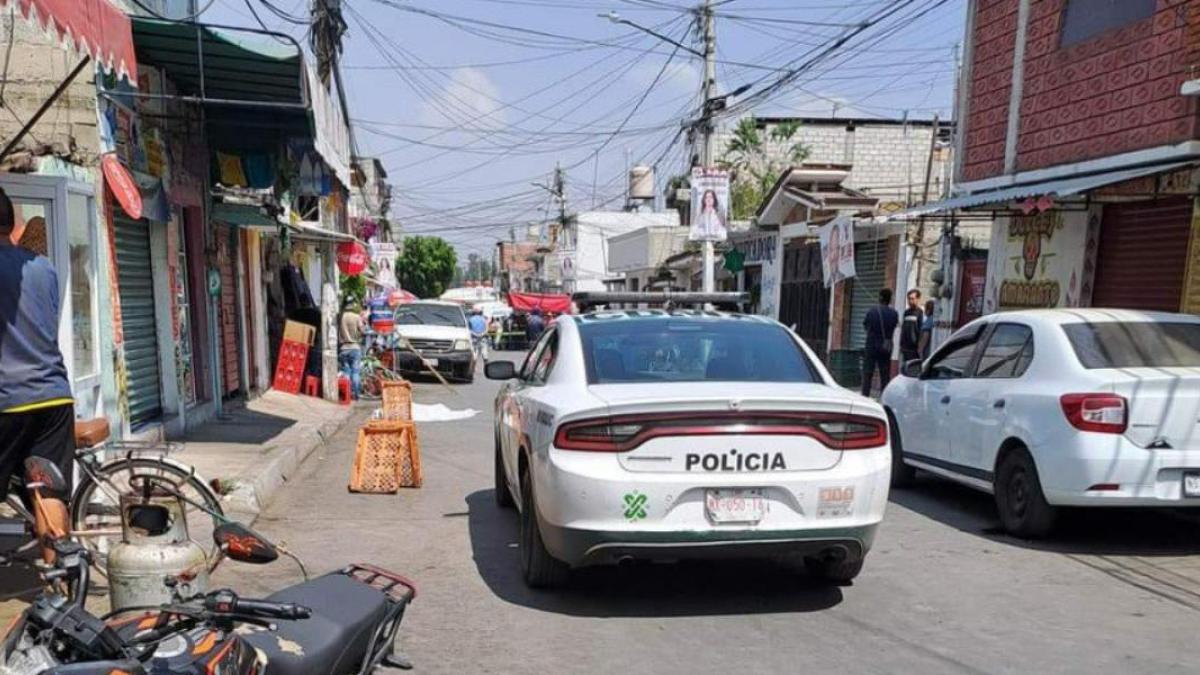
254	450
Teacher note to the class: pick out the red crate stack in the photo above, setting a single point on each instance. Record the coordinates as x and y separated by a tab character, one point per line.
290	370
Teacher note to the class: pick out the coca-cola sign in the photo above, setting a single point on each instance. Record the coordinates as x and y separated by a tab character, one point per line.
123	187
352	257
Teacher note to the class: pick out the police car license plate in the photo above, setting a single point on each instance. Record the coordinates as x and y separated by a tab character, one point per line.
1191	484
733	505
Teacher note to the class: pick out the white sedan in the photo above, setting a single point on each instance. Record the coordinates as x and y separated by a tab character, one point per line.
1049	408
652	435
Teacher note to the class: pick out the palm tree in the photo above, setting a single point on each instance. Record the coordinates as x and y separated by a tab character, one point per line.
756	160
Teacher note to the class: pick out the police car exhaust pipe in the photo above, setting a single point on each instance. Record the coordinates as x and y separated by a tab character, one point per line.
834	554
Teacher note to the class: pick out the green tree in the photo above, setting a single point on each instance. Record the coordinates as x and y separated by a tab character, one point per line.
756	160
427	266
354	288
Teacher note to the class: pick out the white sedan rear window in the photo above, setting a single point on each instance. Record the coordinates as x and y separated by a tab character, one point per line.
692	350
1116	344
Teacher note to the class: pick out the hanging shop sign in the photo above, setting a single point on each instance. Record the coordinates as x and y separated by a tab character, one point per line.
710	205
1040	261
837	250
123	187
351	258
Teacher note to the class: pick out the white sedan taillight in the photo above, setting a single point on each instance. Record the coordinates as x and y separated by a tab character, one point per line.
1103	413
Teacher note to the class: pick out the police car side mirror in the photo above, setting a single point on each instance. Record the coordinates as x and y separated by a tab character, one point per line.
500	370
912	368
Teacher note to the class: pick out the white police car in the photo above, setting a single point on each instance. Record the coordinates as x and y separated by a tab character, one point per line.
651	434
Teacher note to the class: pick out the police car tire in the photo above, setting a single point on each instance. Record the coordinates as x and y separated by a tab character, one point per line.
835	572
503	496
539	569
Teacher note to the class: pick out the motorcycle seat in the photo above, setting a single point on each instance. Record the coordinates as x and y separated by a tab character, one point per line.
334	640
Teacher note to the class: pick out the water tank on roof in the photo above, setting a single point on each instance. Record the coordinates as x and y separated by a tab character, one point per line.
641	183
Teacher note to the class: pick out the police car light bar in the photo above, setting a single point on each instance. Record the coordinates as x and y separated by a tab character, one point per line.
585	299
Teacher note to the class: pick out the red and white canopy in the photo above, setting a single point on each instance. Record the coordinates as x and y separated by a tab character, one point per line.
93	27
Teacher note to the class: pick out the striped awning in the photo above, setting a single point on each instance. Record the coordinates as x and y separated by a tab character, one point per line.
93	27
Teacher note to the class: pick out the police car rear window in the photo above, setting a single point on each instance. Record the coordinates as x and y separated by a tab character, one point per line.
691	350
1135	344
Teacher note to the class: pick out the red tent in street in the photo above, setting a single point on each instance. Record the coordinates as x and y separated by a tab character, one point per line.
549	303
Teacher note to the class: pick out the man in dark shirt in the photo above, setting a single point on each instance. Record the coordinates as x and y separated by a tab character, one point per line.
37	413
535	327
880	323
910	328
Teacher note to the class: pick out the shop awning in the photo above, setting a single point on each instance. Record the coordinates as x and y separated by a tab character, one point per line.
93	27
218	65
253	217
244	215
1062	187
313	233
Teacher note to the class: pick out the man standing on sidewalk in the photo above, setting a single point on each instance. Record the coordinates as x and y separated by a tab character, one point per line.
880	323
37	412
910	328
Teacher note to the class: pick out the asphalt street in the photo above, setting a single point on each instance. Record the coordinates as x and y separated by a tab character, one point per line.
942	591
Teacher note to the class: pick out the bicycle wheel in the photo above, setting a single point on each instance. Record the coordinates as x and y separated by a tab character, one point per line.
95	506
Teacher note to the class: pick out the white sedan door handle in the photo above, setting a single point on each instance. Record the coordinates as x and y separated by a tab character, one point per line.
945	400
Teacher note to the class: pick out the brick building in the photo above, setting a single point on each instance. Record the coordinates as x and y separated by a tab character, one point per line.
1080	146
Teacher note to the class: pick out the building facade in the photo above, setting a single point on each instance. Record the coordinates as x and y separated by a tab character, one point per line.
1079	149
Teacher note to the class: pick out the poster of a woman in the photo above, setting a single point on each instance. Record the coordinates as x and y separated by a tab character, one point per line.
710	205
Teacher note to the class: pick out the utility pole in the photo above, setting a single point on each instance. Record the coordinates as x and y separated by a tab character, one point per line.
706	121
328	27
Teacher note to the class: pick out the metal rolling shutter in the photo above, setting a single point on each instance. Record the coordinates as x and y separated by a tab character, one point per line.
135	284
870	274
1143	255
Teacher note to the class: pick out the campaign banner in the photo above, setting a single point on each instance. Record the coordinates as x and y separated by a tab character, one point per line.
383	256
837	250
710	205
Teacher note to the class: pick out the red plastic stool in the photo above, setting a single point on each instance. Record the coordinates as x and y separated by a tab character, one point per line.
312	385
345	395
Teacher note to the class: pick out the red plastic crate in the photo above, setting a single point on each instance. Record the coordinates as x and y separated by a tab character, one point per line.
289	372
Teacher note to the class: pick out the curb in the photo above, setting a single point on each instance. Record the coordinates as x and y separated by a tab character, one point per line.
253	493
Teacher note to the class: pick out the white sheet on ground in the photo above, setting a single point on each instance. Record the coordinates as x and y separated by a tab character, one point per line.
438	412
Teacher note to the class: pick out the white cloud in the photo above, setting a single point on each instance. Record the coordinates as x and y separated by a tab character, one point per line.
468	94
679	77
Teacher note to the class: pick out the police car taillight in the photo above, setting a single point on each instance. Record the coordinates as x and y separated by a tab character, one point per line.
623	433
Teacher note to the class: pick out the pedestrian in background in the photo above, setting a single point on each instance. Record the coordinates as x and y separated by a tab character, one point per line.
535	327
350	337
926	341
880	324
910	328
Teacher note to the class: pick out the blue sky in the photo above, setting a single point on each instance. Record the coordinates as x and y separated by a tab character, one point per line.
466	112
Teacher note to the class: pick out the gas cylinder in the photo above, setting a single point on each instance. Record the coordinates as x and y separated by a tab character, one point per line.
156	562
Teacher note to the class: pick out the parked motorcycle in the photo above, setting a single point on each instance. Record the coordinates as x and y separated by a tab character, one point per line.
342	623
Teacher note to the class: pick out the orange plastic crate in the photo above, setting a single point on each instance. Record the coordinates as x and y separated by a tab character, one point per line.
388	457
